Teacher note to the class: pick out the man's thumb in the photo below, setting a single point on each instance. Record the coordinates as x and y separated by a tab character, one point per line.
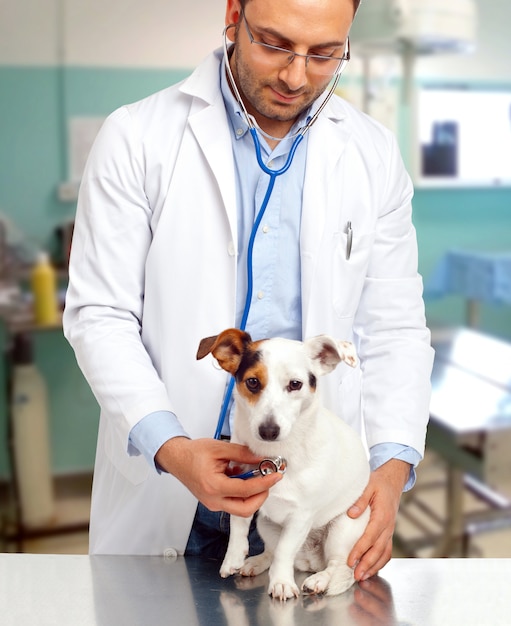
358	507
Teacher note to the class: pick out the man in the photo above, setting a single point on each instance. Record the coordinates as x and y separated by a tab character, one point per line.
166	209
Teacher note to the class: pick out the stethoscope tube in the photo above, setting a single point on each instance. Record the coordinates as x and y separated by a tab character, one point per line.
273	174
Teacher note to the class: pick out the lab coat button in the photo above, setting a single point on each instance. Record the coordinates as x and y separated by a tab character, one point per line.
230	248
170	554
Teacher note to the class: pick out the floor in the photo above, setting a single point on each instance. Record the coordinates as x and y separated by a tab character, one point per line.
431	491
73	499
72	503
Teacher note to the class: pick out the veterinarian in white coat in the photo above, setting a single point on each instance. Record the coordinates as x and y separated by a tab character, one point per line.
154	270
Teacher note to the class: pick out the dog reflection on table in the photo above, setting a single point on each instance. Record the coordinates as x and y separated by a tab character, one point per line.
368	602
303	522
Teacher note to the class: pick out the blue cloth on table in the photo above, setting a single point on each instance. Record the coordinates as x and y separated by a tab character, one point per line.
484	276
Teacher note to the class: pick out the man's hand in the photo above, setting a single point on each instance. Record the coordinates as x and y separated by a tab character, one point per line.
201	465
383	492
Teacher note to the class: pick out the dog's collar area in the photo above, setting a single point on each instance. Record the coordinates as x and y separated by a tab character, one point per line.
266	466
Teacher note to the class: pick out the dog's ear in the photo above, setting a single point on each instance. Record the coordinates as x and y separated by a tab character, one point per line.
205	346
327	353
227	348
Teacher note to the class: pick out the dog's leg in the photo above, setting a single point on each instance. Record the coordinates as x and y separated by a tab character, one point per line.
282	582
337	577
237	548
270	533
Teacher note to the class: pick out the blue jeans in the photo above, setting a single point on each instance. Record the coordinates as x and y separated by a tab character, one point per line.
210	534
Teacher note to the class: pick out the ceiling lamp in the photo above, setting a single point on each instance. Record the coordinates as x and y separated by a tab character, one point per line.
422	26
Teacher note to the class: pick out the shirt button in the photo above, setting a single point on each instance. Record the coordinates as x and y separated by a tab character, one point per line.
266	229
260	295
239	132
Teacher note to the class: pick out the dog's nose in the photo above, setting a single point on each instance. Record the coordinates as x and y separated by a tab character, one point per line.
269	431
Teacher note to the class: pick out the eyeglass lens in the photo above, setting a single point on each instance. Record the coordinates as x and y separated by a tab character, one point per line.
274	55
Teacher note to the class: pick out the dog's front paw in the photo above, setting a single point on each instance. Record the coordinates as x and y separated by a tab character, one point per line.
283	590
231	565
329	582
255	565
317	583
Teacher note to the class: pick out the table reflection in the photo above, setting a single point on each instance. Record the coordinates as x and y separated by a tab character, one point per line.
190	591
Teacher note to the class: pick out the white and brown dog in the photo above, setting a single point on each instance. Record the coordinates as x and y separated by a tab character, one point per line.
303	522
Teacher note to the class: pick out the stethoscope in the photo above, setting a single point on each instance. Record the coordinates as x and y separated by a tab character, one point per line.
273	174
266	466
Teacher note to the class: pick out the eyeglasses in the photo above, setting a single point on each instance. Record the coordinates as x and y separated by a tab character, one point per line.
282	57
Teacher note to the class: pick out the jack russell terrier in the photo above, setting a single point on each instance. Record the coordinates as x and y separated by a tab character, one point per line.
303	522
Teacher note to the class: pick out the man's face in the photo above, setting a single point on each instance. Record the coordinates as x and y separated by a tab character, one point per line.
274	94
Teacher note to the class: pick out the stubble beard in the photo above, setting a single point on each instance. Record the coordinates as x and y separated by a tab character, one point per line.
256	94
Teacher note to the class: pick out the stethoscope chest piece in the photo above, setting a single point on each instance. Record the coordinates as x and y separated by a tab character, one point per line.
271	466
266	466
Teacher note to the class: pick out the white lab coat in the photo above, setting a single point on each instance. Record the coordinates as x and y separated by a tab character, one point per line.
153	270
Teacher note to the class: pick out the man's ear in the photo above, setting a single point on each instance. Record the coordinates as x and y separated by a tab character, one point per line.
232	16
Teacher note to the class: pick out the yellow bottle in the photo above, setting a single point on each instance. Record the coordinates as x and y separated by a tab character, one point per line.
44	290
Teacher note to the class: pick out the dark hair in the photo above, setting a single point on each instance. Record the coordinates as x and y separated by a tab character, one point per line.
356	4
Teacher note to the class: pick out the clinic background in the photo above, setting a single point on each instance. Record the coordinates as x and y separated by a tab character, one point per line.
69	62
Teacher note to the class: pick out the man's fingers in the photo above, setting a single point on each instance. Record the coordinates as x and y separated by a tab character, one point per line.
365	542
372	562
239	488
242	497
244	507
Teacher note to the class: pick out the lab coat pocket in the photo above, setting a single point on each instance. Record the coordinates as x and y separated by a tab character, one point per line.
133	468
350	260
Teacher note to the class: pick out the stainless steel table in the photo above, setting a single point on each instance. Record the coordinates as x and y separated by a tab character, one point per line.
470	428
54	590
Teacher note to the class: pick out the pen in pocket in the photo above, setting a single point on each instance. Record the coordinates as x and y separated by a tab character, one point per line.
349	240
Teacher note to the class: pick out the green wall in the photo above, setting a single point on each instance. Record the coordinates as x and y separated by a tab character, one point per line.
34	106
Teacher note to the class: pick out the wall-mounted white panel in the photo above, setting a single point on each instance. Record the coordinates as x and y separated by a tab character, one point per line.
28	32
177	34
493	49
142	33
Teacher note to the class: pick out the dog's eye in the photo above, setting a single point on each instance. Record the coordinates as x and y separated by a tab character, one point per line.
294	385
253	384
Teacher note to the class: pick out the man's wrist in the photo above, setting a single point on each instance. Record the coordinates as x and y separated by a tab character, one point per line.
396	471
171	454
381	453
